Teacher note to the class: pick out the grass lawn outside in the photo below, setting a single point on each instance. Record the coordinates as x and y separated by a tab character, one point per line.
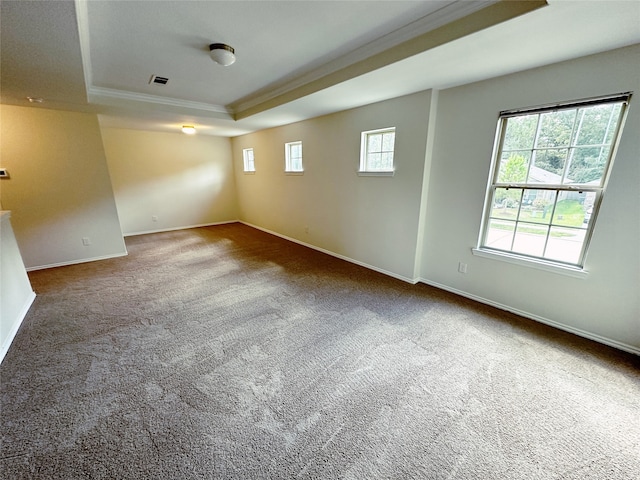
568	213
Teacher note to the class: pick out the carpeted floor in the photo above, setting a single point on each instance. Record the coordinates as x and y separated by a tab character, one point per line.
227	353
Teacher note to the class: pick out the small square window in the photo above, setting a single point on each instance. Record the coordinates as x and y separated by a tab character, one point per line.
293	157
247	157
376	151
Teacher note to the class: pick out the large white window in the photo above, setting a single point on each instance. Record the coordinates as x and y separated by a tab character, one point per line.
549	174
293	157
376	151
248	159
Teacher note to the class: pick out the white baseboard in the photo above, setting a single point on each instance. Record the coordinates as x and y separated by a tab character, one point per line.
75	262
12	334
576	331
106	257
333	254
173	229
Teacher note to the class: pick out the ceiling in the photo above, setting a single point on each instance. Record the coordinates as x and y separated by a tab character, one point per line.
295	59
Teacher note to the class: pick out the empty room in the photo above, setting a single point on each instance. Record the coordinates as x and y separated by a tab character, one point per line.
319	239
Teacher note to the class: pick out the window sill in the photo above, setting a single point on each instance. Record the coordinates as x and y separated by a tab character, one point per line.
576	272
301	172
249	172
377	174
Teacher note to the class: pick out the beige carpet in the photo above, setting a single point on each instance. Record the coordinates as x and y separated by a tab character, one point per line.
227	353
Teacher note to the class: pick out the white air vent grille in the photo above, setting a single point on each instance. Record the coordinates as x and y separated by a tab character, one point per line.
158	80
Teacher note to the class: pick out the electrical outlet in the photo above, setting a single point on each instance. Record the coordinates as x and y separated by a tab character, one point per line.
462	267
154	218
86	241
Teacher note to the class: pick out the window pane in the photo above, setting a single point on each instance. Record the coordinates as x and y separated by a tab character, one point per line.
565	244
374	142
593	124
374	161
556	128
615	115
588	203
530	239
514	167
500	234
520	133
294	156
548	166
387	161
537	206
296	150
543	153
387	141
247	154
506	203
377	150
569	210
587	165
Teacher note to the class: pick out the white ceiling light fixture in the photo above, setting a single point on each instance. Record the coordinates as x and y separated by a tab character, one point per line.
222	54
189	129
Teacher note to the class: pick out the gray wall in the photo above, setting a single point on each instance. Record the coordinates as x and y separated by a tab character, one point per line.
59	191
421	223
606	302
369	220
16	294
164	181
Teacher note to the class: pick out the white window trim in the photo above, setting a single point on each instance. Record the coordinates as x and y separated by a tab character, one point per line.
362	168
539	264
245	163
287	159
384	173
559	267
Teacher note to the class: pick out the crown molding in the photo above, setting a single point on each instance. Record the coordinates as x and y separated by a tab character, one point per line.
443	16
82	19
101	95
104	95
450	23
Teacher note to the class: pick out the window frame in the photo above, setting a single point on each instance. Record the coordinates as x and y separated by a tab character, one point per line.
597	191
364	168
288	158
248	164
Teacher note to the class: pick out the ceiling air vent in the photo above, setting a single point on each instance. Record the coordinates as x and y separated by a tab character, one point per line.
158	80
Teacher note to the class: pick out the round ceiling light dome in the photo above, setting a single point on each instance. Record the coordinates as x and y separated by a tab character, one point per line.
222	54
